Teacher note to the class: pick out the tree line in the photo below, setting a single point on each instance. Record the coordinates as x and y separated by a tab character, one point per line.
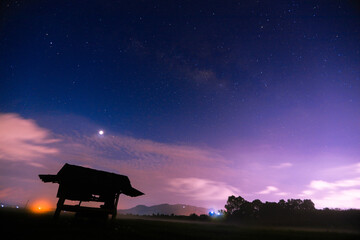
293	212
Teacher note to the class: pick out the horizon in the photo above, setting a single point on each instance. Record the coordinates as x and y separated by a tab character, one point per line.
35	207
193	101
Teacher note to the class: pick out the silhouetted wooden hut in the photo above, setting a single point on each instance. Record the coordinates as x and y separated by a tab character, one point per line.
85	184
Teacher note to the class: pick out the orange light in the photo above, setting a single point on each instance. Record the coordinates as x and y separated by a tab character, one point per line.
40	206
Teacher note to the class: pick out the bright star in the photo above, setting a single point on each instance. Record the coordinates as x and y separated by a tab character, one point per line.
101	132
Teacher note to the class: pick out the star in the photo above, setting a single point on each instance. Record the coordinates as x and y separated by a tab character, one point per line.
101	132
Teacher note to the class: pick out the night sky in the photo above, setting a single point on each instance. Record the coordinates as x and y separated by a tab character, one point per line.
198	100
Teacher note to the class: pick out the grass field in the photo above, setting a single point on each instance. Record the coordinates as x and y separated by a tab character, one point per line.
24	225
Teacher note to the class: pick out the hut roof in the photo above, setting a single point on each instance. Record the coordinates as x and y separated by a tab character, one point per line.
93	180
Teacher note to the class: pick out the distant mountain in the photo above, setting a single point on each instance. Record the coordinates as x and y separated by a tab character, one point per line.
166	209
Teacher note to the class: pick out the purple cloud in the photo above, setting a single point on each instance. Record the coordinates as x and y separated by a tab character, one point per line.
283	165
341	193
203	190
23	140
269	189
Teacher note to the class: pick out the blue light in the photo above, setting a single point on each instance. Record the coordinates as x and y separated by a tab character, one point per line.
215	213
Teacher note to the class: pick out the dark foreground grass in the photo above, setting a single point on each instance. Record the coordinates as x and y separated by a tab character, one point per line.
23	225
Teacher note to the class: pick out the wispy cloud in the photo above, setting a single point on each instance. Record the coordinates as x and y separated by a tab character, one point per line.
23	140
269	189
283	165
341	193
202	189
6	192
323	185
139	153
349	198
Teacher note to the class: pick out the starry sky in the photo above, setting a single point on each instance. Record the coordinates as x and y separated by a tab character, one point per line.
198	100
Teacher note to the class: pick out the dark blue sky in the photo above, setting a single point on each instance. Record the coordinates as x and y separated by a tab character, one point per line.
204	73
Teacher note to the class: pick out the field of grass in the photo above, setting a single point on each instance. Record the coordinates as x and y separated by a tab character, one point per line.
24	225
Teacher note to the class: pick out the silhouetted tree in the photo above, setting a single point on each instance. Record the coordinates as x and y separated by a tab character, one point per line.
307	205
282	204
293	212
234	204
293	204
245	210
257	204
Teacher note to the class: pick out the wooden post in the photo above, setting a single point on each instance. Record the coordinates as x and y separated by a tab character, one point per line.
115	206
59	206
